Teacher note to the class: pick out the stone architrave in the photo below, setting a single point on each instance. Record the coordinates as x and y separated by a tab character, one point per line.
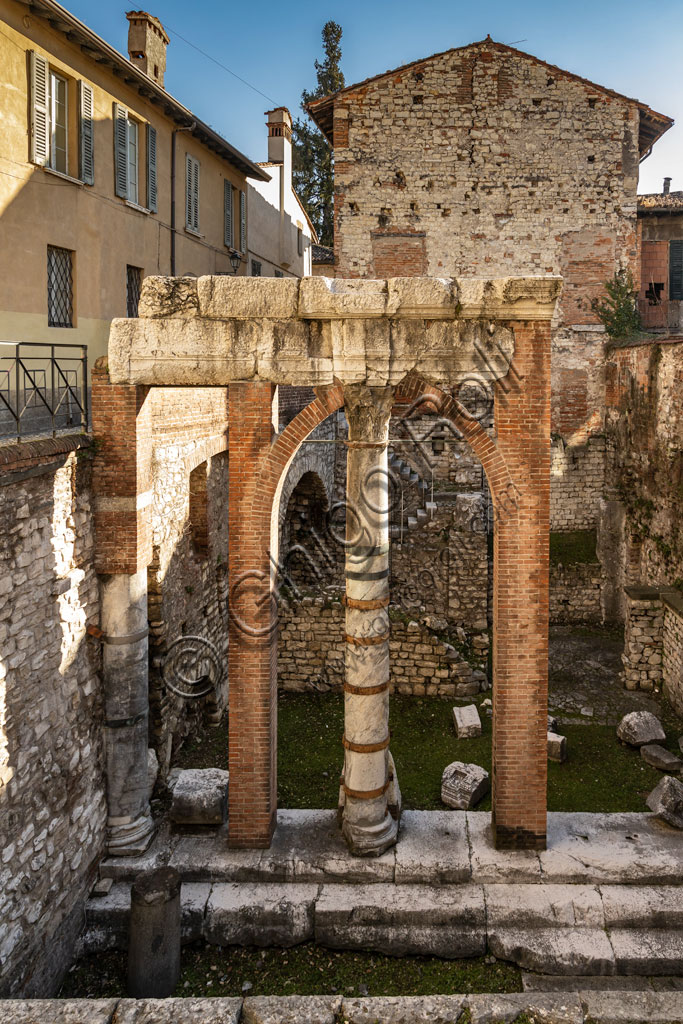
370	799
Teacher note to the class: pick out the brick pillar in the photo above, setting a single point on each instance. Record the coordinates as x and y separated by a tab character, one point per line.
520	595
121	484
252	659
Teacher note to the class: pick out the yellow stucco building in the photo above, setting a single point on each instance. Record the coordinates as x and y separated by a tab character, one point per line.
104	178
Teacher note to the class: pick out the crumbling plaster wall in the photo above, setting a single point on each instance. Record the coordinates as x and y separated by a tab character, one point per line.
52	795
483	161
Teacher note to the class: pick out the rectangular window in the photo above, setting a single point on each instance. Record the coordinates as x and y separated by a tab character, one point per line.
59	287
133	286
133	162
191	193
278	273
676	270
255	268
58	114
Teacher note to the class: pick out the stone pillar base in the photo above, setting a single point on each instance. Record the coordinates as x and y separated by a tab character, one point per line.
130	839
370	840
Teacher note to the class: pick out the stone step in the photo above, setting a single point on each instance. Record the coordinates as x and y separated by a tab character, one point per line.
431	507
421	515
412	522
414	477
560	930
405	471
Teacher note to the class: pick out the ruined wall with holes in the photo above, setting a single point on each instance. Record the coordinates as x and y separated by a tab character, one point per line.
483	161
52	802
644	474
577	479
187	578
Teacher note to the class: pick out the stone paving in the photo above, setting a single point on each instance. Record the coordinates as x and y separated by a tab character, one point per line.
585	684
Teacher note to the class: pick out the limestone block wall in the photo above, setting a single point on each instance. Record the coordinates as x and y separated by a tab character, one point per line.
52	797
311	654
672	648
577	478
642	657
188	574
575	593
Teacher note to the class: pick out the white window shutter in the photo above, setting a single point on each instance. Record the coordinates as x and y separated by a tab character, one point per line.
120	151
151	168
86	106
243	221
227	200
40	118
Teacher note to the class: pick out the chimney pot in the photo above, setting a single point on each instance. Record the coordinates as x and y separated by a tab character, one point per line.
667	186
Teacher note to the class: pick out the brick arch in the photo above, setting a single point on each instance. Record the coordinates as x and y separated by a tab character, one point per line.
414	388
204	450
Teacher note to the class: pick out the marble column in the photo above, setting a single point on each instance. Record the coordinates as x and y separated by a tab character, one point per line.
125	674
369	795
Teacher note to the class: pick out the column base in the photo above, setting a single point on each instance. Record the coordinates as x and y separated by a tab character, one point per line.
370	840
131	839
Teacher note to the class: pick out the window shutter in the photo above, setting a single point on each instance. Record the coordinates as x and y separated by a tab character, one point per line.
676	270
40	119
120	151
188	190
243	221
195	195
227	200
151	168
86	119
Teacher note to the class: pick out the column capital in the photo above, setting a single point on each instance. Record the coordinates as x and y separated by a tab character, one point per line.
368	411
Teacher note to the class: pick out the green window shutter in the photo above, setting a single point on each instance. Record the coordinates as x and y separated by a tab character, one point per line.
228	201
195	195
151	168
191	192
243	221
86	111
120	151
188	190
40	118
676	270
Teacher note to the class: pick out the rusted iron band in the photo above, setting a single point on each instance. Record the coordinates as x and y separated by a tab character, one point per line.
366	641
382	574
362	691
366	748
366	444
366	606
366	794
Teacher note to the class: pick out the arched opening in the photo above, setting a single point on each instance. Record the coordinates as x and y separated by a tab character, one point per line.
304	560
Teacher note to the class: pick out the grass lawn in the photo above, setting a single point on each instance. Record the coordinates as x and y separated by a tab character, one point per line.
600	775
301	970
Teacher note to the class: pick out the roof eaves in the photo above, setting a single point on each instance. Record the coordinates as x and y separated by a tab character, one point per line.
95	47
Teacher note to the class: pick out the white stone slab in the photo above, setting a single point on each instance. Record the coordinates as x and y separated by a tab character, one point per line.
467	721
432	848
247	914
178	1011
636	906
611	848
403	1010
559	950
57	1011
543	906
446	921
647	950
564	1008
492	865
291	1010
636	1008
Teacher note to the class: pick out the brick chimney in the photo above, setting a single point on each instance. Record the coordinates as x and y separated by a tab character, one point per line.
667	186
147	42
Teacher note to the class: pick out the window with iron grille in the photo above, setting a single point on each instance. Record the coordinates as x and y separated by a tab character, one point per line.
278	273
255	268
133	286
60	289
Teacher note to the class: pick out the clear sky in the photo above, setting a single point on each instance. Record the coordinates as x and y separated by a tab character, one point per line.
634	48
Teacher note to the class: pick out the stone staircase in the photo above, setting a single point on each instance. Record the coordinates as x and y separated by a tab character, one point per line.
407	474
605	898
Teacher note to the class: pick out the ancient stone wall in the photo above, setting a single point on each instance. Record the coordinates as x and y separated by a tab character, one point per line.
52	802
311	654
483	160
576	484
188	574
575	593
644	459
672	648
642	657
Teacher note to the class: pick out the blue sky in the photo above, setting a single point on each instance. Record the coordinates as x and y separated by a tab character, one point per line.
632	47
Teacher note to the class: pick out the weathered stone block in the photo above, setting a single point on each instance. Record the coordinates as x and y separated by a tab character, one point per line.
467	721
464	785
226	298
200	797
666	800
660	757
291	1010
640	727
557	747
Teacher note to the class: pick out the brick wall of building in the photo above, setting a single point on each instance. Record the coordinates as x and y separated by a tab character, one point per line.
52	803
482	162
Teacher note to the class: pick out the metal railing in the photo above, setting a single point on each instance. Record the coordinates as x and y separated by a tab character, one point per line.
43	389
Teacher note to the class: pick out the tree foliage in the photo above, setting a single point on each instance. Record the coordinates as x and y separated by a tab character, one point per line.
617	310
313	172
